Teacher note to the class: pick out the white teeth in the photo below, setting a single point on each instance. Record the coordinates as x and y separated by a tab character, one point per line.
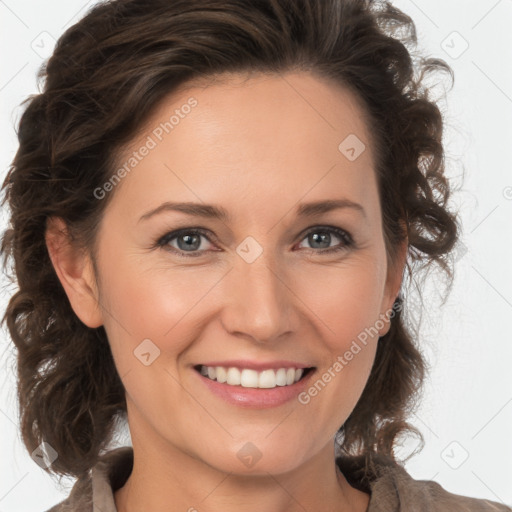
267	379
281	377
221	374
233	377
251	378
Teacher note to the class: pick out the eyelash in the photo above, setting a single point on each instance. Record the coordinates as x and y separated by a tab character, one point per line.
347	239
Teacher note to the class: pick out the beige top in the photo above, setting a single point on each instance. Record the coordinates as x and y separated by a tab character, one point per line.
390	487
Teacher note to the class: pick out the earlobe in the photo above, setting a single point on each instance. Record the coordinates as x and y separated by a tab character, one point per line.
74	271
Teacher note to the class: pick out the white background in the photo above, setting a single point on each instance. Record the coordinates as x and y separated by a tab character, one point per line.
466	413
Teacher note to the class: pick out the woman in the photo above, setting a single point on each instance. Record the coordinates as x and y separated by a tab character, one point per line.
213	205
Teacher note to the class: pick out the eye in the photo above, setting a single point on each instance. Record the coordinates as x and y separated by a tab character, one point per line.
320	238
188	242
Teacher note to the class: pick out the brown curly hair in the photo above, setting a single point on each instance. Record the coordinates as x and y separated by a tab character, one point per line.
107	74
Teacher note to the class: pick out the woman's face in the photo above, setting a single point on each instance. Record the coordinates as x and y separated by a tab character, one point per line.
256	287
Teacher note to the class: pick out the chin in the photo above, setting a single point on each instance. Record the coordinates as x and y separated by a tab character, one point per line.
249	458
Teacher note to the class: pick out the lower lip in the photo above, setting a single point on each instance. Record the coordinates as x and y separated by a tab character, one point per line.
256	398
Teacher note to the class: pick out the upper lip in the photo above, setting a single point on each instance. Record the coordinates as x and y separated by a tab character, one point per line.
257	365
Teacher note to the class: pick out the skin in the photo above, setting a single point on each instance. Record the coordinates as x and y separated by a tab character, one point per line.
258	147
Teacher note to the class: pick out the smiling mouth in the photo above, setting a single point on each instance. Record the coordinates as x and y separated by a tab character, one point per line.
249	378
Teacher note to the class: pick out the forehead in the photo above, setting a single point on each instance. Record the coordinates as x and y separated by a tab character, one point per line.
273	136
294	104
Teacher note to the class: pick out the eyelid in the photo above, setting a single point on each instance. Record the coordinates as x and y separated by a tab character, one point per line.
342	234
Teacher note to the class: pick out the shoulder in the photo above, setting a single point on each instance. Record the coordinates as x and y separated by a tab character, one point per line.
396	484
95	490
392	489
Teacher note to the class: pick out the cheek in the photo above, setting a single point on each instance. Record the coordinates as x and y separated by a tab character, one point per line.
347	301
165	304
144	297
148	326
346	297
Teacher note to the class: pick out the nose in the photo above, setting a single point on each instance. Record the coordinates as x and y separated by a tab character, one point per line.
259	302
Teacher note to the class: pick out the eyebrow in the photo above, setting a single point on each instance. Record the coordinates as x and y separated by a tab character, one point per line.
217	212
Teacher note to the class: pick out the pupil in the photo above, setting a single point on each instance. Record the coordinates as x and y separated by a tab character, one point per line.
324	239
191	242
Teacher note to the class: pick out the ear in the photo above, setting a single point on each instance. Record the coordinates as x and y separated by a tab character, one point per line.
393	282
75	272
